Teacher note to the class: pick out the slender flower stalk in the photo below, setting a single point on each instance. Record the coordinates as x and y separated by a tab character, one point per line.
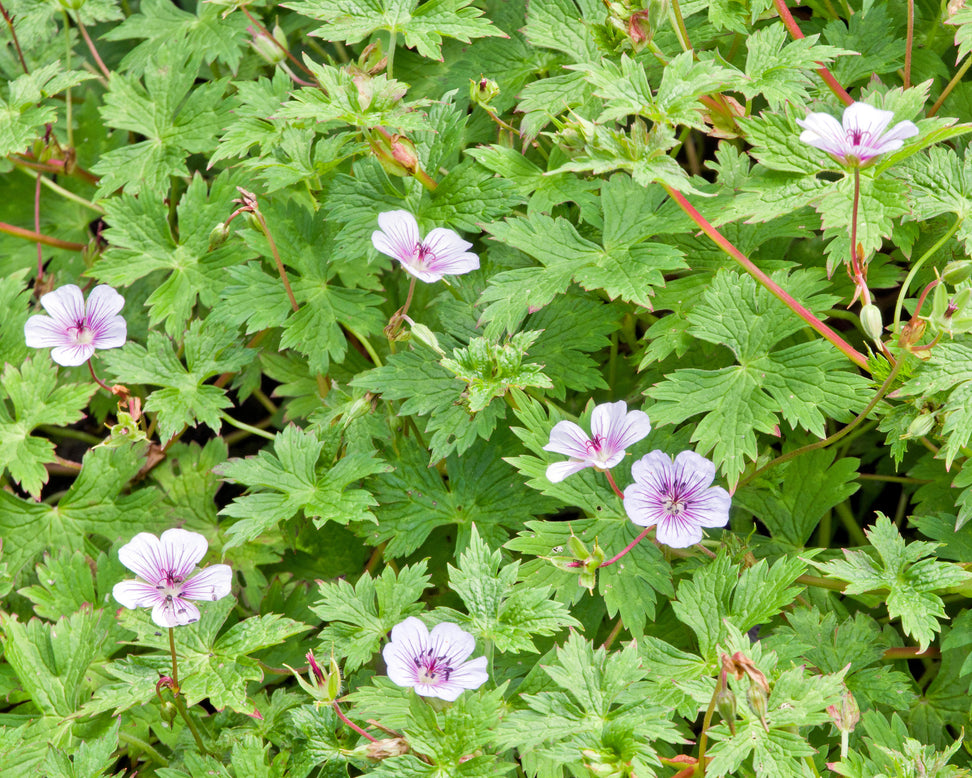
774	288
91	47
13	34
37	237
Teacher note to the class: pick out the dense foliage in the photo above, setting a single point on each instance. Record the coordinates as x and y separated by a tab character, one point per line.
380	431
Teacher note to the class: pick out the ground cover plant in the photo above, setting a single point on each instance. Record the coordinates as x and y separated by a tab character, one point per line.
485	387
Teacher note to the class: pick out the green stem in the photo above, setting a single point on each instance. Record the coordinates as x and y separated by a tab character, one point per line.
613	635
244	426
392	43
821	583
54	187
959	75
899	304
849	520
67	432
365	344
909	44
704	737
175	662
180	706
680	32
144	747
774	288
882	390
67	67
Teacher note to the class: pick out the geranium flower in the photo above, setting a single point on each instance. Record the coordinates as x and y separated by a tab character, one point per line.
613	429
433	664
442	253
74	328
676	496
164	565
861	135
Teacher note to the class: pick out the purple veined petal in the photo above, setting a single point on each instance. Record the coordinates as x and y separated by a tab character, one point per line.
711	508
449	253
414	268
43	332
398	236
112	334
103	303
619	428
677	533
643	505
136	594
450	640
558	471
65	305
175	612
213	583
569	439
182	550
73	355
471	674
894	138
824	132
651	469
694	469
865	121
143	556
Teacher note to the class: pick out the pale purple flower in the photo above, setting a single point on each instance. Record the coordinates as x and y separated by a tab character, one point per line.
164	564
433	664
676	496
861	135
442	253
613	429
74	328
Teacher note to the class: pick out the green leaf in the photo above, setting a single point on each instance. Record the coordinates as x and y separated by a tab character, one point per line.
792	498
91	759
185	398
500	610
560	25
175	118
804	383
290	481
359	617
30	397
423	26
142	242
209	32
99	501
908	572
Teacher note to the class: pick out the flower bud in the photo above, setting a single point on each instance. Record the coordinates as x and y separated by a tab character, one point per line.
958	271
482	92
577	547
218	235
325	688
871	322
385	748
757	699
726	705
588	579
168	712
920	426
266	47
396	155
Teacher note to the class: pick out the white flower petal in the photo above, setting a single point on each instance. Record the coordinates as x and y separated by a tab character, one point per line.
213	583
558	471
113	334
863	118
43	332
65	305
103	303
182	550
175	612
398	236
569	439
74	355
450	640
677	533
143	556
136	594
695	468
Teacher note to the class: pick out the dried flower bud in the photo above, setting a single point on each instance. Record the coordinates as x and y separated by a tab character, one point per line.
958	271
385	748
871	322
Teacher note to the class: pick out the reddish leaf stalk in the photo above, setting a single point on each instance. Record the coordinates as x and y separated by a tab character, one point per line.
909	43
641	536
790	23
56	166
36	237
355	727
91	47
40	249
614	486
13	34
775	289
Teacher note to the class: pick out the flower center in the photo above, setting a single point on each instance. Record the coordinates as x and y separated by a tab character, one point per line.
674	506
171	585
594	444
432	669
83	335
424	254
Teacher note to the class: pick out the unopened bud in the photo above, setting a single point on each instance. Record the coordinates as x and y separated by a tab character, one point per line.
482	91
267	47
378	750
871	322
847	714
577	547
757	699
587	579
323	687
726	705
396	155
218	235
920	426
958	271
168	711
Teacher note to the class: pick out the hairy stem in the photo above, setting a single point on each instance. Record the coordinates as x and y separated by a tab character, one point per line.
36	237
355	727
13	34
641	536
775	289
959	75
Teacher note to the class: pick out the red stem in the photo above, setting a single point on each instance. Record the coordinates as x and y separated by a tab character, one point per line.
91	47
57	167
790	23
774	288
355	727
40	250
627	548
107	388
614	486
36	237
13	34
